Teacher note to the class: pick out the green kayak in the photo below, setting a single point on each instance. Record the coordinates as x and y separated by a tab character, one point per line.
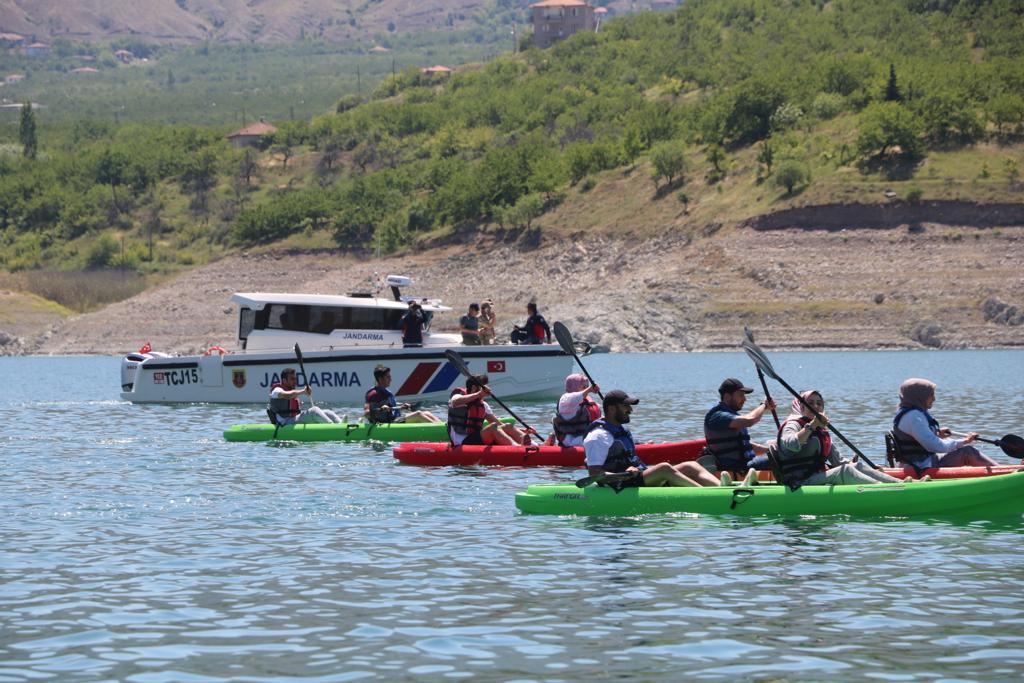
345	431
979	498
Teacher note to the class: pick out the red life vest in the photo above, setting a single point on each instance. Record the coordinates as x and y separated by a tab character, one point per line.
578	424
285	407
796	468
467	419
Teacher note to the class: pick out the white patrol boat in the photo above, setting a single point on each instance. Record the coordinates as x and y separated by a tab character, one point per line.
342	339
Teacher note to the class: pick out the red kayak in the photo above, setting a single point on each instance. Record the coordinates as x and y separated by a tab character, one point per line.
443	454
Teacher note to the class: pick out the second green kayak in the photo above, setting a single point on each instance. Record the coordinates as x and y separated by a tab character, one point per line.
980	498
345	431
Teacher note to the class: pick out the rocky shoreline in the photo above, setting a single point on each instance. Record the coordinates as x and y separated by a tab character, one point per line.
919	286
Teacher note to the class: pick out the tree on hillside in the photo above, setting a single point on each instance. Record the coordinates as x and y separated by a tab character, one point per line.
888	125
248	166
766	156
892	89
199	178
790	174
112	170
1006	109
716	157
668	161
27	131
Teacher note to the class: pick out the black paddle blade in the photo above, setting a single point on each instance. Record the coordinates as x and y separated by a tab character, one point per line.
1013	446
606	478
760	360
748	334
455	359
564	337
298	352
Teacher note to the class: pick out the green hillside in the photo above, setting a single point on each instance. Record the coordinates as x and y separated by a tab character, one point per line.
733	107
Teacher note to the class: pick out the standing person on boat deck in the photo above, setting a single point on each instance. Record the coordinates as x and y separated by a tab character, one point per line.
467	413
412	325
488	321
726	430
610	449
284	403
536	329
575	412
922	443
381	405
807	456
470	326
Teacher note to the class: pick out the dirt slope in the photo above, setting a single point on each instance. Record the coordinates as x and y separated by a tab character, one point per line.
870	288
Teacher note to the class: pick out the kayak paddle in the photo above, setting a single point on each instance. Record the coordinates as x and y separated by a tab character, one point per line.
605	478
455	359
565	340
302	367
765	366
1011	444
760	376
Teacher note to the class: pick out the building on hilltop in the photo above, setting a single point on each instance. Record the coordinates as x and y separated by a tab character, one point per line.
85	70
250	136
11	79
436	71
554	20
37	50
12	39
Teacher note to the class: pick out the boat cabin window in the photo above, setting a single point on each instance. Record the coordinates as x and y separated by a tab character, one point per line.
246	322
325	319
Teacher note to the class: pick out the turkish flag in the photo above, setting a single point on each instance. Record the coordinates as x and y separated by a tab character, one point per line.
495	366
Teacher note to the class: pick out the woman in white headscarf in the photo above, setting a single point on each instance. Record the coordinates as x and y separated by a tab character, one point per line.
807	455
576	410
922	443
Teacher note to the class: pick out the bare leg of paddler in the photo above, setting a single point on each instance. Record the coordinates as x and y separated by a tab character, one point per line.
492	435
694	471
664	474
517	435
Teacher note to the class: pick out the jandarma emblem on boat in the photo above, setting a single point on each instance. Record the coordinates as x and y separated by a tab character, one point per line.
238	378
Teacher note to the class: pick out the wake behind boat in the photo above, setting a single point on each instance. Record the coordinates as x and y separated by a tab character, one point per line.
343	338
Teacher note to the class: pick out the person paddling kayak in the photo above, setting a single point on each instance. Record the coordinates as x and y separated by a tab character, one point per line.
920	440
807	455
284	403
727	432
575	412
610	449
468	412
381	405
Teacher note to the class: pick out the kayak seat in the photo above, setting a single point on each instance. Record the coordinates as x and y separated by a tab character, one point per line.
892	449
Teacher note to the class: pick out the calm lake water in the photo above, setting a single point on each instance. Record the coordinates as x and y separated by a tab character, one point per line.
137	545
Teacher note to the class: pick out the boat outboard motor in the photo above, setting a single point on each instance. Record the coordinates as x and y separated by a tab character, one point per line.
130	365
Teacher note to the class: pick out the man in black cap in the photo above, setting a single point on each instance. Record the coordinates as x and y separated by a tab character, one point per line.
727	431
610	449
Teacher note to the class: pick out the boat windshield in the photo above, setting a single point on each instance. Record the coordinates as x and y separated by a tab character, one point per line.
326	319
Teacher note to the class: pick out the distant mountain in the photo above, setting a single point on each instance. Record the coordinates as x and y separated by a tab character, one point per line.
190	21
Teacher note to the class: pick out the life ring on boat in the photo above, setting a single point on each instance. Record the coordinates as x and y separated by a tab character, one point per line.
216	349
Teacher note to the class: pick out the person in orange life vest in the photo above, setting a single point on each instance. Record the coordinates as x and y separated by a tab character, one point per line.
487	322
469	325
609	448
922	442
536	329
575	412
284	402
471	421
807	455
381	405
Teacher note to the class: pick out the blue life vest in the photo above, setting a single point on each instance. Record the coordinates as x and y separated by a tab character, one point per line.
622	454
731	447
910	449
